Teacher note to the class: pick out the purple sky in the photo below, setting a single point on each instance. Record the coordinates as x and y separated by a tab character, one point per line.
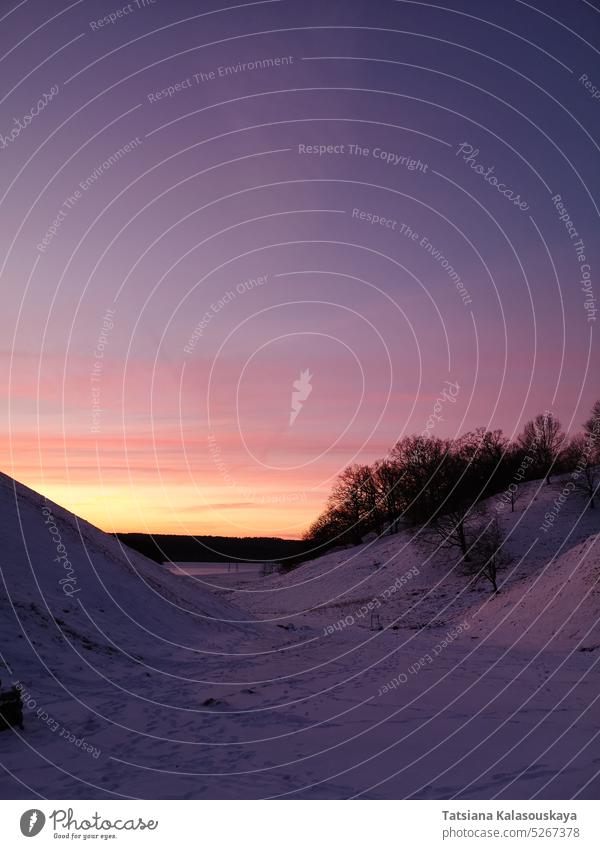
156	318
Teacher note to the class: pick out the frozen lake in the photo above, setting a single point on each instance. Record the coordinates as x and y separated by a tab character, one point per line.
209	569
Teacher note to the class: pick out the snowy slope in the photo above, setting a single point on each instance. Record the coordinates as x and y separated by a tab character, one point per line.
86	624
551	594
559	607
411	583
61	564
237	687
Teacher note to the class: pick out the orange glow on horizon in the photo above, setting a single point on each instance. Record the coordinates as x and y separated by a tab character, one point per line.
131	493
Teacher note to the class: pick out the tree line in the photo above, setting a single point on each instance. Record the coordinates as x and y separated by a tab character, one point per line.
441	484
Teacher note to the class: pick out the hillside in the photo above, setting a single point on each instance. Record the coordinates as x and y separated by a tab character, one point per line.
145	684
88	627
559	569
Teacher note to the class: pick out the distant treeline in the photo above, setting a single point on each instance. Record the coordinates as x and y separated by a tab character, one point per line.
441	483
213	549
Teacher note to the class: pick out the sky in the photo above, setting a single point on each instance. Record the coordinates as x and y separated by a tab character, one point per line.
245	246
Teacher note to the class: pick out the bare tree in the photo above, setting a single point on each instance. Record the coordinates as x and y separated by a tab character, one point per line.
422	462
353	508
543	439
473	470
454	528
515	469
589	483
387	477
459	487
592	427
346	499
373	516
488	556
583	453
441	483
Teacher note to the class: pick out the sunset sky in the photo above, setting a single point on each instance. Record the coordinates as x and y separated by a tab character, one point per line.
389	196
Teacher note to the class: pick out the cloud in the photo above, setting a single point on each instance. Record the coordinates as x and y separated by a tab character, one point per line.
231	505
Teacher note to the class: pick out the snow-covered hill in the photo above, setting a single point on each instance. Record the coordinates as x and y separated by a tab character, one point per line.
373	671
53	559
551	577
89	627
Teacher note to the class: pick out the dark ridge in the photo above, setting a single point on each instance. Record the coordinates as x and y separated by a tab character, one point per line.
213	549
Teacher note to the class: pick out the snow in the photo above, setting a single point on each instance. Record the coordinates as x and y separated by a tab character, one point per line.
243	686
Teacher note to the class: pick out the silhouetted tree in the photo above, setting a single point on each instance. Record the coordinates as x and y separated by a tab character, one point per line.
488	556
592	430
387	477
458	487
482	453
583	454
589	483
515	469
422	462
440	483
329	528
543	439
